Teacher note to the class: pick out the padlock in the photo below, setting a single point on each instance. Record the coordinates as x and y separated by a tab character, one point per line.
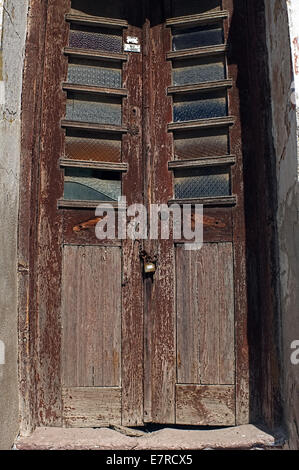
149	268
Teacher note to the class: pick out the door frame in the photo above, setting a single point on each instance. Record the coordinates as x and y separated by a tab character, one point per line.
263	304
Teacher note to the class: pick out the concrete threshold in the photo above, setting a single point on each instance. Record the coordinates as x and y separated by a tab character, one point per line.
238	438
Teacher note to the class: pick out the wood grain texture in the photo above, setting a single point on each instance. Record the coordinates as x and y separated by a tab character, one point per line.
91	316
205	315
159	292
132	188
49	221
28	208
91	407
202	405
236	56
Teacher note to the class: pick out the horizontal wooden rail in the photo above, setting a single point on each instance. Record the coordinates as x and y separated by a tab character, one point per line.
197	52
194	20
207	201
206	86
104	166
90	20
86	126
202	162
68	204
95	55
95	90
201	124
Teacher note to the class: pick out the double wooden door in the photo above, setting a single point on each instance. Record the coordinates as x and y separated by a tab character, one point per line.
140	100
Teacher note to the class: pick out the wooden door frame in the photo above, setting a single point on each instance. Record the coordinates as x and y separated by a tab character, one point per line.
38	382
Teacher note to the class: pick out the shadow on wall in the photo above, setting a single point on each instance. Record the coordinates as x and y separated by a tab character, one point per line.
248	50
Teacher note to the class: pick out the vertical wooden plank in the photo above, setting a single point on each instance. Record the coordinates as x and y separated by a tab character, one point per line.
49	219
237	55
27	236
160	355
132	298
226	314
207	278
91	316
187	292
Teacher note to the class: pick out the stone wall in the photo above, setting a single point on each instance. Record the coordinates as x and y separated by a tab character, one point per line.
11	66
284	137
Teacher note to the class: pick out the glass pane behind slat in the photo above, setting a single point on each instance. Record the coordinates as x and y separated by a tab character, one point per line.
84	108
94	74
197	37
205	143
193	108
91	185
96	39
197	183
188	72
83	147
193	7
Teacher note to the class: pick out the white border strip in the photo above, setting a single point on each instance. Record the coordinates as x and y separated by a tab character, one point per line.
1	21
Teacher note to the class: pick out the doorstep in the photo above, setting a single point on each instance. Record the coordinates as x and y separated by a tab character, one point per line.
240	437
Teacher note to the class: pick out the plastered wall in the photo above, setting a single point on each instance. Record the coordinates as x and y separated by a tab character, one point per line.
284	110
11	65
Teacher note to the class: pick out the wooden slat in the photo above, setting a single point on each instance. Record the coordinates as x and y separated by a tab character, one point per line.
188	357
202	162
95	90
208	311
104	166
193	20
95	55
90	20
64	203
201	124
197	52
206	86
201	405
91	407
86	126
226	314
91	316
208	201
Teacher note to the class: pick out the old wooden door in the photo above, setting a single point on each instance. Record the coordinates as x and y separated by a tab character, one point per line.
140	100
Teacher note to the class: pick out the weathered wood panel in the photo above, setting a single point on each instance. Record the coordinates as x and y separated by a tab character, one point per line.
237	67
28	200
160	373
91	407
205	315
202	405
49	220
132	188
91	316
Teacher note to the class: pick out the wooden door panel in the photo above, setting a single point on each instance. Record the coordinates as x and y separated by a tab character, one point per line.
205	405
205	315
91	407
91	316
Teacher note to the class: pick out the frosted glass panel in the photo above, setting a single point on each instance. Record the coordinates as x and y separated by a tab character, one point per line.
94	74
96	39
91	185
187	72
206	143
197	37
84	108
192	108
197	183
96	147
